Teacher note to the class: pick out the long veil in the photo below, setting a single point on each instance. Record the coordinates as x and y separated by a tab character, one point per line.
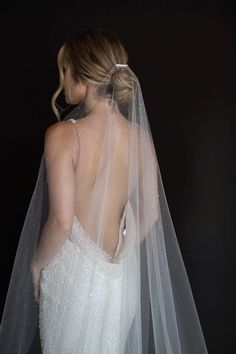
153	299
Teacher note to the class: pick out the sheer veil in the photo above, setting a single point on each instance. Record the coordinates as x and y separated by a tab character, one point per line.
157	306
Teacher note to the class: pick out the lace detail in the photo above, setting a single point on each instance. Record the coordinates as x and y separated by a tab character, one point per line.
84	237
79	286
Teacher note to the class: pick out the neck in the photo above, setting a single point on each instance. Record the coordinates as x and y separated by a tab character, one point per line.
97	108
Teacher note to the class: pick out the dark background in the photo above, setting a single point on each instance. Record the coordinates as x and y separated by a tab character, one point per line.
184	54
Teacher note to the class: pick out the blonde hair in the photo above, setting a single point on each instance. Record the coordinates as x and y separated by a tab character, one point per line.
91	56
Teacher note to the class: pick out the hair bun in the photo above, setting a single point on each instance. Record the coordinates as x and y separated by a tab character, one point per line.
123	84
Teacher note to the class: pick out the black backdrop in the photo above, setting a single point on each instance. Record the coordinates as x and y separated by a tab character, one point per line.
184	56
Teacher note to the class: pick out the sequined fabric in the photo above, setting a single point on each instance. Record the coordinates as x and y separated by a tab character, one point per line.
87	300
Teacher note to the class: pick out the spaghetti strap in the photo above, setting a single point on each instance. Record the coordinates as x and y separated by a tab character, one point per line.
72	120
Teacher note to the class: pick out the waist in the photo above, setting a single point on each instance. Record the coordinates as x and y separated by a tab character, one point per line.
93	254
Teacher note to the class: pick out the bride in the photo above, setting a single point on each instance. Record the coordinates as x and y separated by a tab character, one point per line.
98	267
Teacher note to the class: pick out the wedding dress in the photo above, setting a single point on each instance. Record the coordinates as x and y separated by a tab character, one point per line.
135	300
102	316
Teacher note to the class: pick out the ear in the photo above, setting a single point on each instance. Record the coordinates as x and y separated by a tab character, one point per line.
85	85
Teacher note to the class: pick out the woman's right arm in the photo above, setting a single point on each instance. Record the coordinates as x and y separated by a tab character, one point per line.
58	151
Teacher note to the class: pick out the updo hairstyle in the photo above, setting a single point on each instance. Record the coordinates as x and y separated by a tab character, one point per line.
92	56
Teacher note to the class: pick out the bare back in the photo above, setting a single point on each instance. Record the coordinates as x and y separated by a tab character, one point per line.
91	134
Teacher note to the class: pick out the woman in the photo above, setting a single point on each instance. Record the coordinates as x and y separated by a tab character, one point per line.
98	239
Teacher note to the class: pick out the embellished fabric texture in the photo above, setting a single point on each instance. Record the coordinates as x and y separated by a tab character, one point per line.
98	303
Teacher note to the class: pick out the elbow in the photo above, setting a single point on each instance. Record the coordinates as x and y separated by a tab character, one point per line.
66	225
61	223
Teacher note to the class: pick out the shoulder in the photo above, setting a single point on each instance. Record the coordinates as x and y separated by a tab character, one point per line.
60	140
59	133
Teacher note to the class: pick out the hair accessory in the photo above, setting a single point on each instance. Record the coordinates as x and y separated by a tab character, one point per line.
121	65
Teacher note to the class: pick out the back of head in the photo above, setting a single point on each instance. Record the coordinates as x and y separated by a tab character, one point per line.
92	55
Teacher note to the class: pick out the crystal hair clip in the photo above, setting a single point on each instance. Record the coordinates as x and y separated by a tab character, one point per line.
122	65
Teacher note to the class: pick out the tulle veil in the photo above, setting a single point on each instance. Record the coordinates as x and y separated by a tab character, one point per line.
161	315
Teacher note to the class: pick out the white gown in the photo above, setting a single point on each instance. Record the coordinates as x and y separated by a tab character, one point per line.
82	280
